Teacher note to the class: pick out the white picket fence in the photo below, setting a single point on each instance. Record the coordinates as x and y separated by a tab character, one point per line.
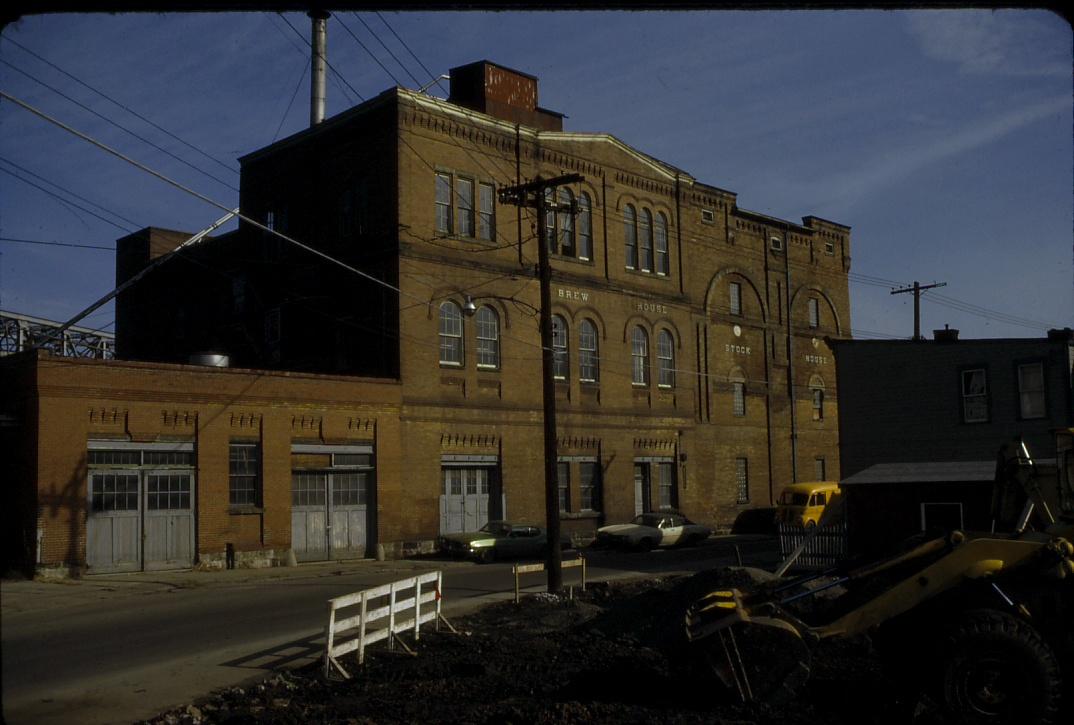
826	548
405	605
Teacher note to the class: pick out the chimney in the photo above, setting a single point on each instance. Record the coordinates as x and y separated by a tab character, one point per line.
319	49
945	335
509	95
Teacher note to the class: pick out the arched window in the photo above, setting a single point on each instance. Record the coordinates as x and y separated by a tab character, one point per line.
585	227
566	222
630	236
450	334
665	359
588	365
660	232
639	352
645	233
560	360
488	338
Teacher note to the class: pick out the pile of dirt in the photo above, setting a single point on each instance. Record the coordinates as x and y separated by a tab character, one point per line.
616	653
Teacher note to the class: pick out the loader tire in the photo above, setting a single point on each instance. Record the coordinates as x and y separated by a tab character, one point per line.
996	670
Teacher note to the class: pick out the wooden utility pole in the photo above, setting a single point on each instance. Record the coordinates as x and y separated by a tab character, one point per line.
917	289
532	195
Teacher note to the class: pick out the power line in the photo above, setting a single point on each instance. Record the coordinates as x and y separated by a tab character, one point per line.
403	42
330	66
56	244
121	127
67	191
389	50
67	202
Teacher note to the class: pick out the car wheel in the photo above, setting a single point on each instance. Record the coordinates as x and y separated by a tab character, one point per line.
997	669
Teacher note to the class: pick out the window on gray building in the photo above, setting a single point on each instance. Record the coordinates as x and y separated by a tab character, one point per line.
975	395
1031	390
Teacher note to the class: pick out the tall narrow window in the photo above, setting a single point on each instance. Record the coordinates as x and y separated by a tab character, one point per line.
742	479
464	201
630	236
820	469
488	338
560	361
585	227
1031	390
639	353
566	222
588	365
975	396
563	479
660	234
665	356
486	219
814	312
738	398
645	235
669	495
450	334
818	404
589	485
443	203
550	221
736	298
244	474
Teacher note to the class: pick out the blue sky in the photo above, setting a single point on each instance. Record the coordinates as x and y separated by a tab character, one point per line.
943	138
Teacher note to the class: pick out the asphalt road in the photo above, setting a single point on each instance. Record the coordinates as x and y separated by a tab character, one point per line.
121	648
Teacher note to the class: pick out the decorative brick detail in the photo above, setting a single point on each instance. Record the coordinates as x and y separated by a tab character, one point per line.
306	424
179	418
366	425
653	444
469	440
246	421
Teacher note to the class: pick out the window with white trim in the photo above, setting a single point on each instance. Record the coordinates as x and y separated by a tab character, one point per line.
645	240
1031	391
975	395
639	355
486	218
660	237
668	487
589	485
464	207
588	360
443	203
563	481
565	222
585	226
665	357
630	236
487	323
244	474
560	358
451	350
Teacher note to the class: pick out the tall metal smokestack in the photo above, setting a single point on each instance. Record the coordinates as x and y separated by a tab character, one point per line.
319	46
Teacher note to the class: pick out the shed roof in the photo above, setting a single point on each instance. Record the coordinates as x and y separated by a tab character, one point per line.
924	472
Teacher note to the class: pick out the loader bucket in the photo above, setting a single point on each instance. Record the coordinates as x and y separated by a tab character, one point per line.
761	657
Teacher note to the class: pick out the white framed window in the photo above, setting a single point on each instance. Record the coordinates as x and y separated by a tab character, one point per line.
443	203
974	395
486	218
630	236
563	481
660	236
742	479
775	244
814	312
668	488
735	301
451	350
560	357
244	474
565	222
488	338
464	207
708	216
585	227
665	357
1031	390
639	355
588	359
829	248
645	240
589	485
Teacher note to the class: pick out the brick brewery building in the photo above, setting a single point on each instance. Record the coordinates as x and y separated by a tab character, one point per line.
381	404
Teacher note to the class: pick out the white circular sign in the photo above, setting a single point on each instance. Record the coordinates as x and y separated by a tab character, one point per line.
738	331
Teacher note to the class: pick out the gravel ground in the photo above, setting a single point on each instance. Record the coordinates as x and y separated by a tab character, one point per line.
615	654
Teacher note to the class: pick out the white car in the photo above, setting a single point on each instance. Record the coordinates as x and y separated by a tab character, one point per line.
650	530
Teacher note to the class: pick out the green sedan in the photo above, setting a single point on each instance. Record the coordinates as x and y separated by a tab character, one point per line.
499	540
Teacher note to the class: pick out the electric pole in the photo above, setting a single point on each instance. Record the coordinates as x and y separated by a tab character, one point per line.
917	289
533	195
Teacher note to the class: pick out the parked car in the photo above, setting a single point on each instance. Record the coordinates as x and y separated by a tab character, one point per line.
803	504
499	540
650	530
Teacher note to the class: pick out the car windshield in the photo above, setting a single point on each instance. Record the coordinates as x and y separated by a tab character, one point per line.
647	520
790	498
496	528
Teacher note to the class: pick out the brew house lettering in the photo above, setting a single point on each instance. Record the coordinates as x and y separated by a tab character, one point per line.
652	307
569	294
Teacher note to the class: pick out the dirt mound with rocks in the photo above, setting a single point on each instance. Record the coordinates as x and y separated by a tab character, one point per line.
614	654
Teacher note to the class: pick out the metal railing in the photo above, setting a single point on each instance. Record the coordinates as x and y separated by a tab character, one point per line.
822	548
23	332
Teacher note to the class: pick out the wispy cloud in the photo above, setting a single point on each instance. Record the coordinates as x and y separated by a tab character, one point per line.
1007	42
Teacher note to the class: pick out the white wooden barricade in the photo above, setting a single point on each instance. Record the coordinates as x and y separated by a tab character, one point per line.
407	608
533	568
